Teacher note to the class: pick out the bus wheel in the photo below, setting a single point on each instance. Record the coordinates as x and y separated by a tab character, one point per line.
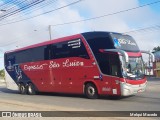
31	89
22	88
91	91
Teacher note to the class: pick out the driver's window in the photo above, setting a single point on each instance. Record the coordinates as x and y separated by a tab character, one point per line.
109	63
114	65
114	70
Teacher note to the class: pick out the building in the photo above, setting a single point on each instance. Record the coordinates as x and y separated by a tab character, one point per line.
156	65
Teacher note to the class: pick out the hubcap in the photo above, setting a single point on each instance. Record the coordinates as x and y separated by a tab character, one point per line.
22	88
29	89
91	91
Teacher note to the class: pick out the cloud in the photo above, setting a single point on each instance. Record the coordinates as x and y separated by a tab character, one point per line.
125	21
36	30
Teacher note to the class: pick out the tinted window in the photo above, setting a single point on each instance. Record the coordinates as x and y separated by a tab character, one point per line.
72	48
109	64
103	60
29	55
124	42
10	59
100	43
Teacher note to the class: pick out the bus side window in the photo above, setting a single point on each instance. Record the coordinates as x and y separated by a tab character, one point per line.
66	49
115	65
103	61
79	52
114	70
53	49
47	52
60	50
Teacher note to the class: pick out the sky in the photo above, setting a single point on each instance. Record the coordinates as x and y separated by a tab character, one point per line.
35	30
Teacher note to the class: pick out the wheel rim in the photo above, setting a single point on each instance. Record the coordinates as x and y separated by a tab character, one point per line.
22	88
91	91
30	89
19	87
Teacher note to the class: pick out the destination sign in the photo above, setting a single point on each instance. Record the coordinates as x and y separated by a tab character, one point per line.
124	42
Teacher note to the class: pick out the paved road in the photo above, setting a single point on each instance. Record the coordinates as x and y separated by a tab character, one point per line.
147	101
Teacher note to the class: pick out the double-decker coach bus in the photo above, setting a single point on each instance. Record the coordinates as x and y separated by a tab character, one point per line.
91	63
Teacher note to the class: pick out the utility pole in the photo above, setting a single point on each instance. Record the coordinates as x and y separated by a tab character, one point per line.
50	33
149	65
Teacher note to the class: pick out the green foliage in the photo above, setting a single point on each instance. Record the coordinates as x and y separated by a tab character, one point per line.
2	73
156	49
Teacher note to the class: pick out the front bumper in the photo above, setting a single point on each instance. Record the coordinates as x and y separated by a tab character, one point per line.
129	89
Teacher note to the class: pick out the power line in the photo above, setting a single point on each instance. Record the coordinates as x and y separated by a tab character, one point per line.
23	7
83	19
9	44
45	3
43	13
5	4
107	14
37	7
151	28
89	18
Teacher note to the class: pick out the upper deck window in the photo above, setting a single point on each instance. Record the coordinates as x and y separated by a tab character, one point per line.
124	42
71	48
97	43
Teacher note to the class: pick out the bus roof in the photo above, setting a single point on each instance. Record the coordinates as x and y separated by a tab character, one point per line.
46	43
85	34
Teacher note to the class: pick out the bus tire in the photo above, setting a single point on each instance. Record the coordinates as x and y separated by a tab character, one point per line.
22	88
31	89
91	91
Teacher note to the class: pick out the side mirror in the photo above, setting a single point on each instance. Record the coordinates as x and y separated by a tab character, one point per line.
152	55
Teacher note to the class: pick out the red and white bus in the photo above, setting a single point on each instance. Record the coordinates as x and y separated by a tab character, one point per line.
91	63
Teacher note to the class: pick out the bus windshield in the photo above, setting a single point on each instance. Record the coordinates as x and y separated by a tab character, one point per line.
134	69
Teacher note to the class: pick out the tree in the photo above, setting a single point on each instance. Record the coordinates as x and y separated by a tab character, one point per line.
155	49
2	74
